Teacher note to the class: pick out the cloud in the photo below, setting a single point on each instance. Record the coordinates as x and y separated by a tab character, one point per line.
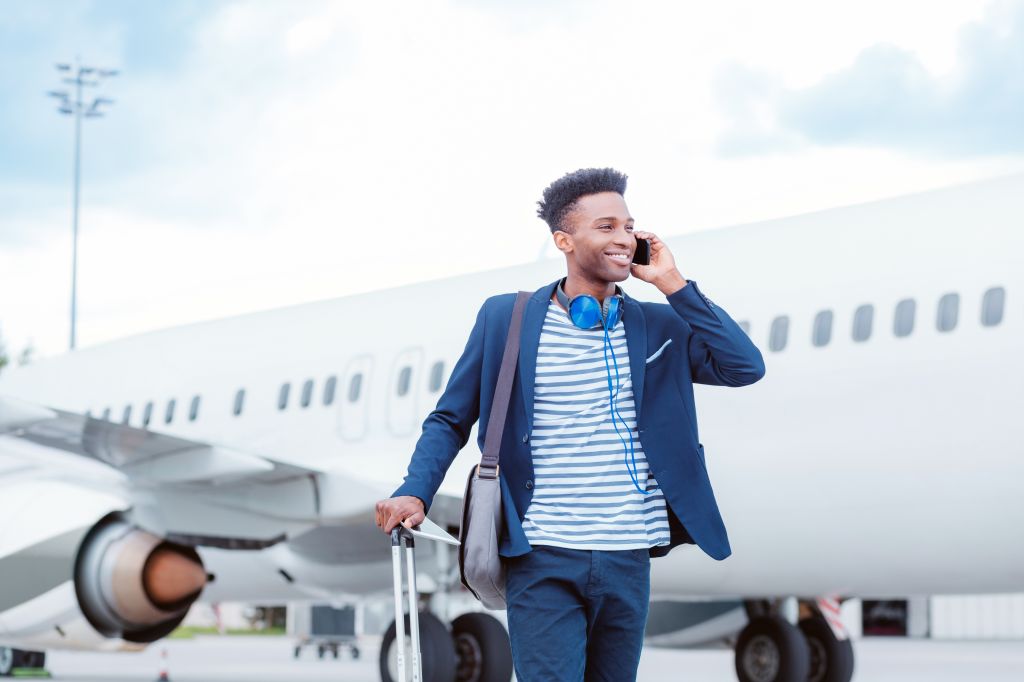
888	98
275	152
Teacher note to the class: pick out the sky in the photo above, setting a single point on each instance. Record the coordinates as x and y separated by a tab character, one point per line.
266	153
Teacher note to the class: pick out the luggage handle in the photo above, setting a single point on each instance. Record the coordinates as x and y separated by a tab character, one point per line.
402	537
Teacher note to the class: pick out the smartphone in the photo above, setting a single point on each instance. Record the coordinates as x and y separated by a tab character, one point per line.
642	255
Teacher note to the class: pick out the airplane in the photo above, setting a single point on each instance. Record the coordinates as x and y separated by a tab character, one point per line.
240	458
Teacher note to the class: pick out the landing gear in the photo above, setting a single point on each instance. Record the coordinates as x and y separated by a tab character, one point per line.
831	657
14	659
482	647
438	651
771	649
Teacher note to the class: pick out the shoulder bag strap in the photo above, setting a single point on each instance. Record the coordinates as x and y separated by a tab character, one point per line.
499	406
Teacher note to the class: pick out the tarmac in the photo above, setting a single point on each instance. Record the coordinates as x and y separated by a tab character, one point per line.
271	659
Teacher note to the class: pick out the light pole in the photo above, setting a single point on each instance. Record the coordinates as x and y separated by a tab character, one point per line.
82	76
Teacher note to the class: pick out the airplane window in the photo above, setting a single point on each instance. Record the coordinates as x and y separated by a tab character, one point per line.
147	413
169	415
778	333
745	326
903	322
403	380
329	389
992	306
862	318
106	414
435	376
353	387
193	410
127	414
239	401
822	328
307	393
282	397
949	306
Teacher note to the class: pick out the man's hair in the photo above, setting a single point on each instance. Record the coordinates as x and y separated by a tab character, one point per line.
561	195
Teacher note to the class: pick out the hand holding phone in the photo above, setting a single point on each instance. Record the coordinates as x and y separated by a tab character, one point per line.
661	269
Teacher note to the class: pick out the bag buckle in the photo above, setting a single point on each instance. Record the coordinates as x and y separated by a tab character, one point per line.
488	475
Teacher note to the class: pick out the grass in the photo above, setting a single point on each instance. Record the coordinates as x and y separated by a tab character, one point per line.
189	631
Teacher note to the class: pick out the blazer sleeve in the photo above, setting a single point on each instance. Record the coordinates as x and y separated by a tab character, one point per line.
720	352
446	429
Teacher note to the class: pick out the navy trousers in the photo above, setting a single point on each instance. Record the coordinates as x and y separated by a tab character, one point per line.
577	614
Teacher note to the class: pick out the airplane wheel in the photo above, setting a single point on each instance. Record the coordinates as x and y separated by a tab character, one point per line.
771	649
831	658
7	656
483	649
438	651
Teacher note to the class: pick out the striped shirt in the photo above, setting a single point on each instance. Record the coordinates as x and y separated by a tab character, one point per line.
583	495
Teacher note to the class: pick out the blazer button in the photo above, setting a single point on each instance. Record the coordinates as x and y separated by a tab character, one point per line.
529	484
526	437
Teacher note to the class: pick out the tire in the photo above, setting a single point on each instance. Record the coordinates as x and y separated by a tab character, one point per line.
438	651
771	649
355	653
831	658
320	651
482	648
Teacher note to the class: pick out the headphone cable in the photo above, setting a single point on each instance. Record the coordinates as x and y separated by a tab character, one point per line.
627	452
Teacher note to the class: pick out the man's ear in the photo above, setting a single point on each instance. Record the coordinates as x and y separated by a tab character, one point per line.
563	241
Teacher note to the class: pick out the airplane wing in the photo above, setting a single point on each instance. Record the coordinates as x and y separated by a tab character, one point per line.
141	454
196	492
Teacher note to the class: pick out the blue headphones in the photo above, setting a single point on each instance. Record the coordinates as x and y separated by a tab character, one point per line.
585	312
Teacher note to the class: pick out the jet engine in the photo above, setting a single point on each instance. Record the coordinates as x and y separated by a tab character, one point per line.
132	584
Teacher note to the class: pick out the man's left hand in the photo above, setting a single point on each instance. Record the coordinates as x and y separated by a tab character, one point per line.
662	271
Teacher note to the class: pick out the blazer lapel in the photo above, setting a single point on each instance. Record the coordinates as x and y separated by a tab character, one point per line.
529	340
636	341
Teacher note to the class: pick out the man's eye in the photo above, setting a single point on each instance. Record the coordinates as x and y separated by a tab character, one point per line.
608	226
629	228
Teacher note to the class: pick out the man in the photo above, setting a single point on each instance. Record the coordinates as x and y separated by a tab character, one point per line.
600	467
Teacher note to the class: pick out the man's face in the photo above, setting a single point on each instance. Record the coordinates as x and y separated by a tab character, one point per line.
602	228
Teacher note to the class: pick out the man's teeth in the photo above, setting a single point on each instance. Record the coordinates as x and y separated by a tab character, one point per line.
618	255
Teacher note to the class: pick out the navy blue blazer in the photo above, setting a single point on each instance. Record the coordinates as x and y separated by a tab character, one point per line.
671	346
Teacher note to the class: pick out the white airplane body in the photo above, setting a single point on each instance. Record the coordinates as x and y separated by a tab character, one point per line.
885	467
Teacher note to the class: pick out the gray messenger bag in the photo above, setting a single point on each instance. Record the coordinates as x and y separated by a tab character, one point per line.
479	564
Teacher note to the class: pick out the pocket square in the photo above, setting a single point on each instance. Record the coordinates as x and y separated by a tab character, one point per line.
658	352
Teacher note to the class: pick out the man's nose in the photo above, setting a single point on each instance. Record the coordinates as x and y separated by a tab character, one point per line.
624	239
